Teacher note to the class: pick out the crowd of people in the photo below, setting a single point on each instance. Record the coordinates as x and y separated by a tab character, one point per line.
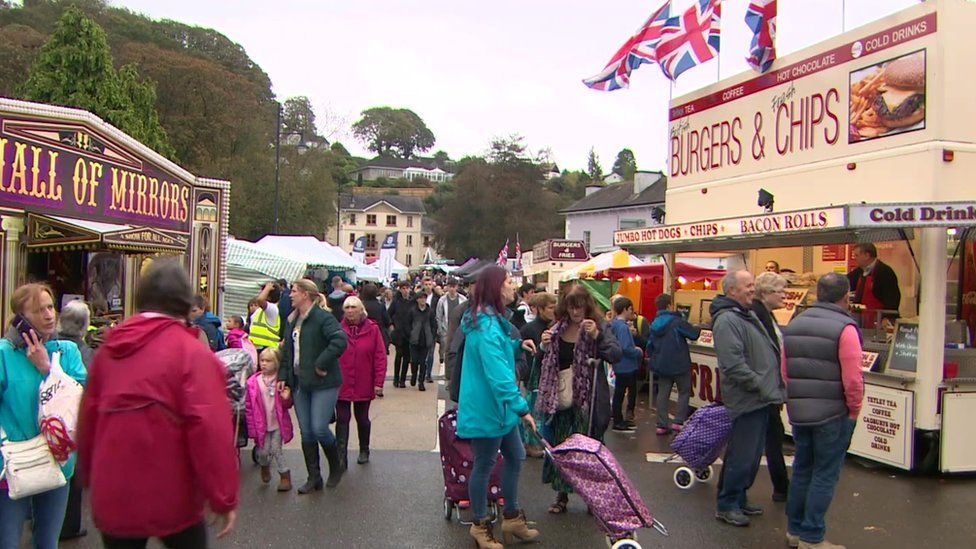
522	364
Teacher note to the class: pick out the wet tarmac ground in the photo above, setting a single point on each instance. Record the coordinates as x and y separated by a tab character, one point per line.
396	501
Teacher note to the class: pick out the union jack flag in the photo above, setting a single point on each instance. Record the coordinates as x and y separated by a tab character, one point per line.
690	39
502	260
761	18
637	50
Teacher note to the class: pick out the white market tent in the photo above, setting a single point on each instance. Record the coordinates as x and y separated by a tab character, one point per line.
610	260
309	250
248	267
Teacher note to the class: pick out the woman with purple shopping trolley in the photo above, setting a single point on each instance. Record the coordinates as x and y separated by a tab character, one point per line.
490	405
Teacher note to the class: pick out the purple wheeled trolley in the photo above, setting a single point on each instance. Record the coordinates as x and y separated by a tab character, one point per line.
457	460
700	443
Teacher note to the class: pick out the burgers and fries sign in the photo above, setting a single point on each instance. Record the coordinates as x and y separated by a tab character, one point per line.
848	96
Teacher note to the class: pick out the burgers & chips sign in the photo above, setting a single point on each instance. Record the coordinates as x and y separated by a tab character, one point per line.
850	95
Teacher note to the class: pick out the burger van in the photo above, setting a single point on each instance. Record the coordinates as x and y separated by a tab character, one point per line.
869	137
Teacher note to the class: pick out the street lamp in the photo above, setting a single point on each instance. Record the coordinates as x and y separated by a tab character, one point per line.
301	149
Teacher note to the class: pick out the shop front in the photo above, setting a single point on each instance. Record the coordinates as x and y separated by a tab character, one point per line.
865	139
85	208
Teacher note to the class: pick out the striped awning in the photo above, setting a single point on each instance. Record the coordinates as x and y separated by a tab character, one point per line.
249	256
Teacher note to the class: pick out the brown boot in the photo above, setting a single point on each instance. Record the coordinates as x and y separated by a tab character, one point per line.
265	474
517	529
483	536
284	485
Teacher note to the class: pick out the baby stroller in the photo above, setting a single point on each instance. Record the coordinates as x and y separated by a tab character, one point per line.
457	461
699	444
240	366
613	499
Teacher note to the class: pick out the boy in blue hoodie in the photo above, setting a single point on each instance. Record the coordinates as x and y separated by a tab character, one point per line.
671	361
625	370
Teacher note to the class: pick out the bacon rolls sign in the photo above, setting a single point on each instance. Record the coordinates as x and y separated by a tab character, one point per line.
808	108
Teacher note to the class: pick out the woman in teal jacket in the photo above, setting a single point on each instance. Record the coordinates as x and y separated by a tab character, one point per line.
490	405
26	362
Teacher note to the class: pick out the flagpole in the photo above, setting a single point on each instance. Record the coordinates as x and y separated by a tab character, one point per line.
843	15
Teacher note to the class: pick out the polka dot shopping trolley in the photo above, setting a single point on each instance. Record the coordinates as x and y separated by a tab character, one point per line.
457	460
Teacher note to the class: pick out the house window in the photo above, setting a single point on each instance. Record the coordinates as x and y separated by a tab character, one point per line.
371	219
426	240
352	238
632	224
409	221
586	240
409	260
391	221
370	241
409	240
352	219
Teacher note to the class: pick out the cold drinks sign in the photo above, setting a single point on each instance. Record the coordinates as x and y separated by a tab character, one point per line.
68	169
834	102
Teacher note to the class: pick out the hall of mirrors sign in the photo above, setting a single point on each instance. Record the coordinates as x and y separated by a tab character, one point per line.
70	169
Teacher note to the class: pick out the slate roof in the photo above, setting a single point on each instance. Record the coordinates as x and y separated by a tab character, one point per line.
363	202
621	195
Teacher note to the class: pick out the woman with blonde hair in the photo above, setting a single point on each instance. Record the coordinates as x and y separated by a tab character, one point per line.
363	375
771	295
26	359
313	343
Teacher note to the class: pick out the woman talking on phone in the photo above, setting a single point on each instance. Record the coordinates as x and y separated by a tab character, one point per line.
27	352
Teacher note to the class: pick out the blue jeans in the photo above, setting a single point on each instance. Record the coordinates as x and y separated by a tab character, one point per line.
819	457
742	457
485	456
48	513
314	410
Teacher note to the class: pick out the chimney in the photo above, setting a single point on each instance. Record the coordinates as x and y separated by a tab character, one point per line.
590	189
644	181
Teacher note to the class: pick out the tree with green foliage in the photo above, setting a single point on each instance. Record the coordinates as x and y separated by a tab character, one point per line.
626	165
75	69
299	117
393	132
593	166
494	199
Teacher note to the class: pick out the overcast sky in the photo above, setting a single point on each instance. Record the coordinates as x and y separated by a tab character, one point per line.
474	70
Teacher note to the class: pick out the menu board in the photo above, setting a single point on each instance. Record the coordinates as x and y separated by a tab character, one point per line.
885	429
903	356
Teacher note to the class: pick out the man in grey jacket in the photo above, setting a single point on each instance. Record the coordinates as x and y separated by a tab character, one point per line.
751	381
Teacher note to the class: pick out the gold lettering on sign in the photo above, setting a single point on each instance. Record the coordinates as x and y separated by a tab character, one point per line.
18	172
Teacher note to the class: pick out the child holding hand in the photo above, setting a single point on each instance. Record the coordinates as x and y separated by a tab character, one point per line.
268	420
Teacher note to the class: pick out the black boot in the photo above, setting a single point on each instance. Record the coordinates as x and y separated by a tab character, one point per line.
314	482
335	468
363	444
342	442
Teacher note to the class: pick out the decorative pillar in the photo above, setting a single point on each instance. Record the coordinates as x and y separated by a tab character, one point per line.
13	228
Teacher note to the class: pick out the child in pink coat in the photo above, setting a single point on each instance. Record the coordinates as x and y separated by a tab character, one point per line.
268	420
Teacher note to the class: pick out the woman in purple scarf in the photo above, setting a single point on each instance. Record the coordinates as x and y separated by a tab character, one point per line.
566	382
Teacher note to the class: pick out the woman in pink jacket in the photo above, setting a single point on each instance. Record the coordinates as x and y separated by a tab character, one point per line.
268	420
363	374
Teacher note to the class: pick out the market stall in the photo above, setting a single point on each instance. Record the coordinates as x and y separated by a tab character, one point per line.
85	208
643	283
866	138
249	267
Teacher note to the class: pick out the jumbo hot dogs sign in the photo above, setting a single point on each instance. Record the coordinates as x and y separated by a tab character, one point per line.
853	96
72	170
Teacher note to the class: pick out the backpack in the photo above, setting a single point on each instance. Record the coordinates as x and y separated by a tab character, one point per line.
221	340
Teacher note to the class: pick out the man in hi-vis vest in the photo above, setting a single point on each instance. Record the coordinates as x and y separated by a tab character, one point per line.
265	322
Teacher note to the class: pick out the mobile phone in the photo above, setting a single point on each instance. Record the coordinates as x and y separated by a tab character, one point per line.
22	325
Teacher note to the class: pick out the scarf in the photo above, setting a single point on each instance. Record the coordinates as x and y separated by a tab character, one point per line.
584	349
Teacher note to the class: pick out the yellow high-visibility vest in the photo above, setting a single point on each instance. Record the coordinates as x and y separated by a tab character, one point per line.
262	335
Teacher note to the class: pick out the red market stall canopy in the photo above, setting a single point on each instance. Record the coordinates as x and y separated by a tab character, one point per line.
643	283
683	271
